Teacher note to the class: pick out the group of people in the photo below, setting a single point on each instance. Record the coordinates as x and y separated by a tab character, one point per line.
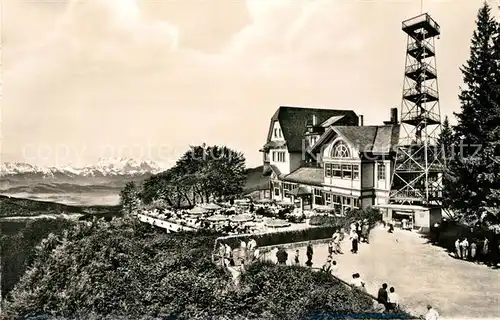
388	298
470	251
247	252
282	256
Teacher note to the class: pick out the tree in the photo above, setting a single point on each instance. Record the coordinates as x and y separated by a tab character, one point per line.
129	197
200	174
479	76
472	177
446	140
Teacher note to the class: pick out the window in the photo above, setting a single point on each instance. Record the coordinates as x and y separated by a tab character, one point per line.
276	191
276	132
328	170
328	199
279	156
341	150
381	171
280	133
287	187
346	171
318	197
355	172
337	171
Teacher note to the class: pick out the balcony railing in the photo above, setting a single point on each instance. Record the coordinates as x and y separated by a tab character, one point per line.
424	66
417	45
421	18
423	90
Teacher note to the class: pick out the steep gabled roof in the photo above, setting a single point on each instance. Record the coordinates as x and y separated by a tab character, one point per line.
293	122
373	139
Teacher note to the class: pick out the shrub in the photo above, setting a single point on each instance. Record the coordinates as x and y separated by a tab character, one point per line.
125	270
323	220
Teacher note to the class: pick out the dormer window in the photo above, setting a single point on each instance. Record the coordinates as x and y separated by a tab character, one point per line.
341	150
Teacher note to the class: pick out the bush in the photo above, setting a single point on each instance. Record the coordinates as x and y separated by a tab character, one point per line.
127	270
296	219
263	211
323	220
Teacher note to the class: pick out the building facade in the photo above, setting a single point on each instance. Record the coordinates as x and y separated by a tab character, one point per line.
328	158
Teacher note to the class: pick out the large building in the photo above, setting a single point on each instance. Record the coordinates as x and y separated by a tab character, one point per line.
329	158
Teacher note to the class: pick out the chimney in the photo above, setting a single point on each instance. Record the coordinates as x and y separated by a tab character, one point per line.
361	123
315	120
394	115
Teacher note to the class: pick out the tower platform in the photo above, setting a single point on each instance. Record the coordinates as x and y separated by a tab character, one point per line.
422	26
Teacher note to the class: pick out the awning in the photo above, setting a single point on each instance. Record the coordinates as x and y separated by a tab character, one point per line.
401	207
211	206
198	210
300	191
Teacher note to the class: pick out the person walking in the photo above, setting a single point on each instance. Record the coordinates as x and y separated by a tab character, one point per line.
431	314
309	253
382	296
354	242
393	299
336	242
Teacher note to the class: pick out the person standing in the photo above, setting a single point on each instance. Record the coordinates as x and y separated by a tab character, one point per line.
354	242
296	259
282	256
473	250
485	249
431	314
458	249
330	249
465	249
382	296
365	231
309	253
393	299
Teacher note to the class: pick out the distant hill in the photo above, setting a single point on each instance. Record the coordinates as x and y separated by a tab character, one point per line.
10	206
255	180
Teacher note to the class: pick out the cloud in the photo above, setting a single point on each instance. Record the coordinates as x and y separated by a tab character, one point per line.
103	72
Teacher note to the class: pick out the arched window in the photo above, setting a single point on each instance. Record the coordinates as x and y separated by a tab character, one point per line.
341	150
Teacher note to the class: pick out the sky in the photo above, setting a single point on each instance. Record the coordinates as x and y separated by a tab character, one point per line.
90	79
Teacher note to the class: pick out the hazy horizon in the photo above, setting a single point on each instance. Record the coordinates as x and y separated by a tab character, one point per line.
89	79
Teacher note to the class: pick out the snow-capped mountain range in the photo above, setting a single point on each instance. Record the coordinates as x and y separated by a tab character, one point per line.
102	172
103	168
